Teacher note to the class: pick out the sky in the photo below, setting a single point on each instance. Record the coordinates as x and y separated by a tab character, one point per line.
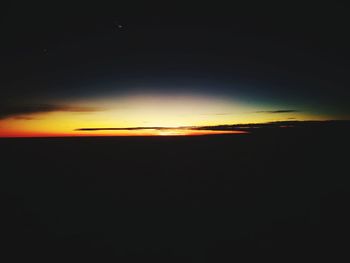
70	66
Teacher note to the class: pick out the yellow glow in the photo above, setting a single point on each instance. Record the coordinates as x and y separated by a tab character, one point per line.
142	111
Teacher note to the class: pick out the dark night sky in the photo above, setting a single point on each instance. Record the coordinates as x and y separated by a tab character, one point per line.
53	49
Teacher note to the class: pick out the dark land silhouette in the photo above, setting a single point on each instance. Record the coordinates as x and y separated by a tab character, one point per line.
278	193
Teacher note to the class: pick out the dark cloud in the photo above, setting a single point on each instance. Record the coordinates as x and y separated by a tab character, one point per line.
249	127
21	112
126	128
24	117
277	111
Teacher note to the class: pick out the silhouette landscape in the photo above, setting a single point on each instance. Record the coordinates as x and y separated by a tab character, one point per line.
280	192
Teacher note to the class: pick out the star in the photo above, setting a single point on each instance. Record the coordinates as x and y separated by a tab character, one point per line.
118	25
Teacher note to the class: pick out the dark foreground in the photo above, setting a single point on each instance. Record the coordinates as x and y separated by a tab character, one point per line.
279	194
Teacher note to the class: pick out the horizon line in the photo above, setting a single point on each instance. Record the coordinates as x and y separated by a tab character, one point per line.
174	131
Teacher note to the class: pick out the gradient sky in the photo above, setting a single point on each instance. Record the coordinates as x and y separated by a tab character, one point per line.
69	66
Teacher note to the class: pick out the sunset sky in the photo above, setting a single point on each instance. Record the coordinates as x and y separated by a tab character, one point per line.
142	110
108	66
